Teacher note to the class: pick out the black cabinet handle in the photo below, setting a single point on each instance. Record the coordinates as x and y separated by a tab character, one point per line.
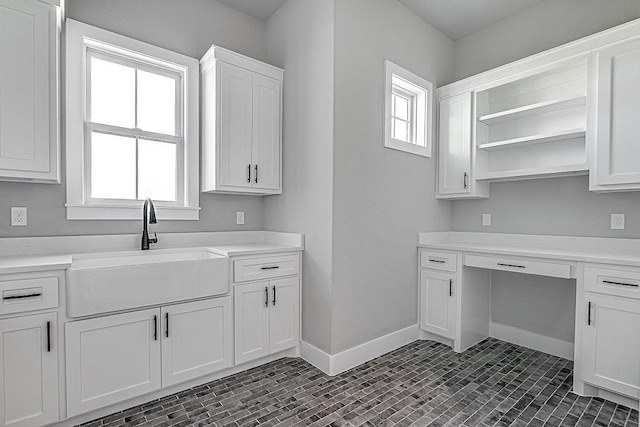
155	328
633	285
48	337
589	314
275	267
450	287
511	265
274	295
167	317
266	294
249	175
256	174
439	261
466	177
22	296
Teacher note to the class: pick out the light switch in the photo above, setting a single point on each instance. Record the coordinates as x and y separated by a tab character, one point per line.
486	220
239	218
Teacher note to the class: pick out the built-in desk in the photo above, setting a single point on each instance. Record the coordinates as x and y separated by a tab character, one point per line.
456	272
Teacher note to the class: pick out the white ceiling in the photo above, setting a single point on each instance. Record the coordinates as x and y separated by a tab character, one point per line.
459	18
454	18
260	9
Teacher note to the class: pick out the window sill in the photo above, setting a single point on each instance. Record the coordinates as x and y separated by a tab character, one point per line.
130	212
408	147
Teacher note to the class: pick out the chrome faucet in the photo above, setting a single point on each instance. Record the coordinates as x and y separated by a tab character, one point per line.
148	204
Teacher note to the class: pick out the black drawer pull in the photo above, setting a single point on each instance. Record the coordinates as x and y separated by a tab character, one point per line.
511	265
275	267
22	296
167	317
48	337
155	328
274	295
450	287
589	314
266	296
632	285
439	261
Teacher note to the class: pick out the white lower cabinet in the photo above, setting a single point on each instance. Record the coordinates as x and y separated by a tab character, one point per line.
611	344
196	340
114	358
111	359
28	371
437	303
266	317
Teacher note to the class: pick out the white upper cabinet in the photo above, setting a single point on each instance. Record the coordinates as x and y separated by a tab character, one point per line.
241	124
617	148
29	39
567	111
455	178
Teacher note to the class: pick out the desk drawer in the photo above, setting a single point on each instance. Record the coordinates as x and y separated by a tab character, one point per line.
612	282
247	269
28	293
442	261
526	266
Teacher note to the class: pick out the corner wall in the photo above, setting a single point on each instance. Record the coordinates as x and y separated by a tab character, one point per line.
300	39
382	197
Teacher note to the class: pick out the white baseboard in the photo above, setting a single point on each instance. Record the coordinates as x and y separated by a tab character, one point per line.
532	340
337	363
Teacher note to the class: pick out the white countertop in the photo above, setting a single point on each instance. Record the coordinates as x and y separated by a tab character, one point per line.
577	249
226	243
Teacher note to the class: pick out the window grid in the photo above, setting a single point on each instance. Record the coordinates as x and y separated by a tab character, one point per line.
407	120
136	133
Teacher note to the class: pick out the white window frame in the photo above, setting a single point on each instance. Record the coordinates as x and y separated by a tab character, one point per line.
399	80
84	41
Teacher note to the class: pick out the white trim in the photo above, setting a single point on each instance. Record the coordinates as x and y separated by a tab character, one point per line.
423	123
79	37
355	356
532	340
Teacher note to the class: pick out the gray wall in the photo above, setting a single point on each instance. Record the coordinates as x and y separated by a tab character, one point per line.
382	197
188	27
300	38
543	26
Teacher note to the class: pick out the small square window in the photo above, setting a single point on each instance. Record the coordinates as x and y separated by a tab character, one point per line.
408	111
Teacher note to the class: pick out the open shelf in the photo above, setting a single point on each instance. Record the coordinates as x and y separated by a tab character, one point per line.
534	139
537	108
548	172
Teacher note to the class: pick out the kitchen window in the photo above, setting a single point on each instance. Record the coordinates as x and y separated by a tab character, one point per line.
132	132
408	111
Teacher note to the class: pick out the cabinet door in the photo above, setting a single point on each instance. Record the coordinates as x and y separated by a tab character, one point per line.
111	359
235	126
284	316
28	371
251	315
196	339
28	105
454	145
437	303
617	147
265	155
611	344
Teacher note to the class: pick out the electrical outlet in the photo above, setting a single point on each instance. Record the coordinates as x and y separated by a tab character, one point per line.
240	218
617	221
18	216
486	220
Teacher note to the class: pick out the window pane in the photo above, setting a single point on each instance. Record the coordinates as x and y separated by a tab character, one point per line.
401	130
157	170
112	93
401	107
156	103
113	167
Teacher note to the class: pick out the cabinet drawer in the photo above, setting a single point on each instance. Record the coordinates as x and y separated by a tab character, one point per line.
248	269
612	282
438	261
28	293
526	266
